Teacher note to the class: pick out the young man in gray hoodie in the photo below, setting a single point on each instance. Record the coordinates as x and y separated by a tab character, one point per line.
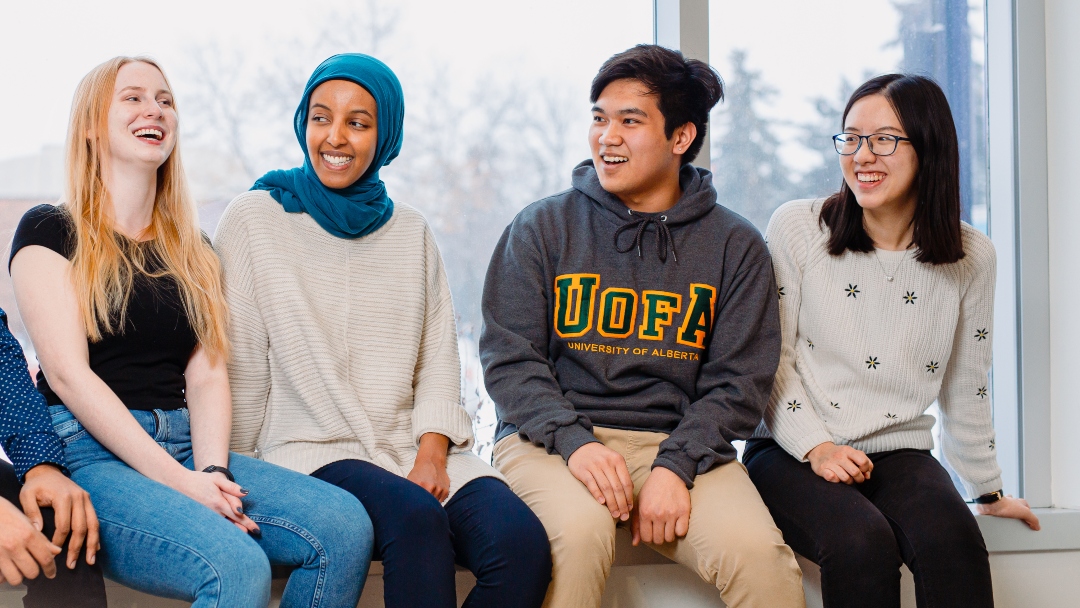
631	333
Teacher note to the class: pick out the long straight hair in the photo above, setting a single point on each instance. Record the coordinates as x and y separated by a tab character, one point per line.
105	264
924	114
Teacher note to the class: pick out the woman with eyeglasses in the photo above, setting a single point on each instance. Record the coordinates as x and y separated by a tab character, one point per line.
122	296
886	302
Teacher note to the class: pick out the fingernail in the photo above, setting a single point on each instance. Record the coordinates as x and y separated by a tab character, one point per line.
243	491
257	533
240	510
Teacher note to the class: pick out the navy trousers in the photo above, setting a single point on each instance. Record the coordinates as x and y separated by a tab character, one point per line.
82	587
484	527
908	511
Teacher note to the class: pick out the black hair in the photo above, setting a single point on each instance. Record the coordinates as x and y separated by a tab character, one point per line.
686	88
924	114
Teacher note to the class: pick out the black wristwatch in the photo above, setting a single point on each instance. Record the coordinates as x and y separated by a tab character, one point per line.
216	469
990	498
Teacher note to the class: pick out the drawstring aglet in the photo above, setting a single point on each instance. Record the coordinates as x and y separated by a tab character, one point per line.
639	251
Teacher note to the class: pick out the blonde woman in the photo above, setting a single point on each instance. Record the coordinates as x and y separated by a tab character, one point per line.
122	297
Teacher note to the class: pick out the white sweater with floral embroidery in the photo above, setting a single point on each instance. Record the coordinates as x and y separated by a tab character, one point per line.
341	348
863	357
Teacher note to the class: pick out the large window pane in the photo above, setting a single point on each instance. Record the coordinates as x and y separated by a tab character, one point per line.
789	78
496	101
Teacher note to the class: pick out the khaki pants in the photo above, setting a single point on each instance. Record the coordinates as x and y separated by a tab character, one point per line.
732	542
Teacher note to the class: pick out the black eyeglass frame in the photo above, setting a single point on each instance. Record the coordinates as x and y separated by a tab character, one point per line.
897	139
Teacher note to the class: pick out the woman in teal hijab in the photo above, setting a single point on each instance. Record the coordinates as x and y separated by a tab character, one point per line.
345	361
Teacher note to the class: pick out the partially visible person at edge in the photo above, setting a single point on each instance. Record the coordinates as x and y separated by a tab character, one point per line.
886	303
45	518
630	335
345	363
122	297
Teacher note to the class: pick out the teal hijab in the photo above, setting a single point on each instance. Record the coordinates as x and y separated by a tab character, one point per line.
364	206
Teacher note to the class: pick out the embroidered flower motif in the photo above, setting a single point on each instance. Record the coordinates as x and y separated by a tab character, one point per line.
872	363
780	292
981	392
981	335
891	416
993	444
810	344
932	367
853	291
794	405
835	406
910	297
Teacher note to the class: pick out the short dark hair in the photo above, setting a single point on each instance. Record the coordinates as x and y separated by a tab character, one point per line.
924	114
686	88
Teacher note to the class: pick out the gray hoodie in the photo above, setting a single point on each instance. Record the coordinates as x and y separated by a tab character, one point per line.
598	315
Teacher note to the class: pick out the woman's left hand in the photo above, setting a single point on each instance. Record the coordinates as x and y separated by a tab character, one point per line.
1014	508
429	470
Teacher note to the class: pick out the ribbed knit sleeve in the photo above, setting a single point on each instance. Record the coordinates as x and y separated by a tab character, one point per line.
966	412
249	366
790	417
437	406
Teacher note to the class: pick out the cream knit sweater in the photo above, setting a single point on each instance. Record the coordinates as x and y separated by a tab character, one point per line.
863	358
342	348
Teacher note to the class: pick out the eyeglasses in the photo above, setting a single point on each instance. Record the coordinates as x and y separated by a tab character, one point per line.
881	144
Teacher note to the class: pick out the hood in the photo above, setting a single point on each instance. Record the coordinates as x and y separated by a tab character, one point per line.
698	195
698	199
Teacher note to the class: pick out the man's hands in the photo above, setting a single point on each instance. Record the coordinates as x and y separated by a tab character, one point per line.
46	486
663	509
24	551
429	470
604	473
839	463
1014	508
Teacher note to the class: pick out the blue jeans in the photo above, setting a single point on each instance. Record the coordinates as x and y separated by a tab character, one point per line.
485	527
159	541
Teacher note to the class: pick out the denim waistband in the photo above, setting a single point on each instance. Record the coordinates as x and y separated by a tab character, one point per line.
165	426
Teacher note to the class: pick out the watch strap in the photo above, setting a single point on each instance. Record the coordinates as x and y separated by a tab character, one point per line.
989	498
216	469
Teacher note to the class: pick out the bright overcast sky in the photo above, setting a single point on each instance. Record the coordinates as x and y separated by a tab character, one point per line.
45	48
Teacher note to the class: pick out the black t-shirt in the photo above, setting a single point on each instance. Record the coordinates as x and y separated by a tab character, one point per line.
143	364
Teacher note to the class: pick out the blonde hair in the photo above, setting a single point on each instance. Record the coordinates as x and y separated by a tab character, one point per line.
104	263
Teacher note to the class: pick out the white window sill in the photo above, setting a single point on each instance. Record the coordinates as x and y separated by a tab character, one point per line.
1060	532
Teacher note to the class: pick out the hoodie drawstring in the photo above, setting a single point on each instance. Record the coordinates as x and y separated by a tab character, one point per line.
663	235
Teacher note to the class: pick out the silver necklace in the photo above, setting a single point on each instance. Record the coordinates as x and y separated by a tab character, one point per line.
889	276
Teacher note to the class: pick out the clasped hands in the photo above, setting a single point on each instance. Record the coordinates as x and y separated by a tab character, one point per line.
662	513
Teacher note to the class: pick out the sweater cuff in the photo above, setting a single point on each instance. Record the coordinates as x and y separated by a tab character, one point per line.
445	418
803	446
680	464
977	490
568	439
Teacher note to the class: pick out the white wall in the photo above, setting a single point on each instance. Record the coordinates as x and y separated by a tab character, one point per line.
1063	165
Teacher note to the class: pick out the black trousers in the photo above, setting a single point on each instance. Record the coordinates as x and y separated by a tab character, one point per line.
82	587
908	511
484	527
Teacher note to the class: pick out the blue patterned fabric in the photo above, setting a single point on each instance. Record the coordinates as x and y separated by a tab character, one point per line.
25	429
364	206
